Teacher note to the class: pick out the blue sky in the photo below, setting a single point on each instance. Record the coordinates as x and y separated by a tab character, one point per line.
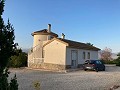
94	21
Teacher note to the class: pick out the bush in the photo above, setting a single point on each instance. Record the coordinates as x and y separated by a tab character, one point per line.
4	85
19	60
118	61
13	83
109	62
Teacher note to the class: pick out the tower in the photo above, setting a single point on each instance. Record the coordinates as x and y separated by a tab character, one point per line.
43	35
39	39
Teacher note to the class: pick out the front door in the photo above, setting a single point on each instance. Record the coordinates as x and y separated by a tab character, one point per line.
74	57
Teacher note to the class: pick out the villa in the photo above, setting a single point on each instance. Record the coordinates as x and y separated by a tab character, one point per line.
54	53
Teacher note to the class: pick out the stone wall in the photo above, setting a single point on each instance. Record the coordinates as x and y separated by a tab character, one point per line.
47	66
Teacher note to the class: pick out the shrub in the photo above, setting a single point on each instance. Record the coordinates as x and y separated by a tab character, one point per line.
118	61
13	83
36	85
4	85
109	62
19	60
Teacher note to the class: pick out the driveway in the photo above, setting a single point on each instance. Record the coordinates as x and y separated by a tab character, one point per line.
76	80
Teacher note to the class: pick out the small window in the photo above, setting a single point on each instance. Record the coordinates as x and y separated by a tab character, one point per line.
83	55
88	56
43	53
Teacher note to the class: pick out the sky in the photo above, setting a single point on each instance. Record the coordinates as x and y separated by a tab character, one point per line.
94	21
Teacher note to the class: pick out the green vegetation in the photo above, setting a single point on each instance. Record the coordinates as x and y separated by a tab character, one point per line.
109	61
89	44
118	60
7	49
18	60
36	85
13	83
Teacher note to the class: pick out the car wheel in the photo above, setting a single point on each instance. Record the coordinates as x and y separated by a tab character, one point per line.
96	69
85	69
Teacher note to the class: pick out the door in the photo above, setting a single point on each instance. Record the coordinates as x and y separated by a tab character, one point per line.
74	57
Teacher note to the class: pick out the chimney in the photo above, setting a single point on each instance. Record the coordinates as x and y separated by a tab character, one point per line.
63	36
49	28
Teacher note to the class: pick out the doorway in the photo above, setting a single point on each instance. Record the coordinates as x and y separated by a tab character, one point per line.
74	59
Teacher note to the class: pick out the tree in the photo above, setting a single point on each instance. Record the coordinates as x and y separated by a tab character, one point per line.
89	44
106	54
7	47
118	54
118	60
18	60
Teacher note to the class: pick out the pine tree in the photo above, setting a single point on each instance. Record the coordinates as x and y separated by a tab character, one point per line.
7	47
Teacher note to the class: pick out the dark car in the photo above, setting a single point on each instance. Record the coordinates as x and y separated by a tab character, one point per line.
96	65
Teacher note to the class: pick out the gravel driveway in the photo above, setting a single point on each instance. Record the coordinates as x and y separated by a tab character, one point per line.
76	80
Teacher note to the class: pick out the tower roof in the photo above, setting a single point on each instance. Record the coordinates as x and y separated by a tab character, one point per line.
44	32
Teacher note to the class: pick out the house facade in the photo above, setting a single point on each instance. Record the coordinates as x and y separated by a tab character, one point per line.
51	52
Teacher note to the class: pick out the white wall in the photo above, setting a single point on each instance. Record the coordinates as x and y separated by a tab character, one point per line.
55	53
93	55
38	39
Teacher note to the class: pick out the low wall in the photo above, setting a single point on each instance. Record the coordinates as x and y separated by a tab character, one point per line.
47	66
50	66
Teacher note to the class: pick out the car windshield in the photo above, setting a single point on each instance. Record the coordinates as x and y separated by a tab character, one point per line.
93	62
98	62
89	62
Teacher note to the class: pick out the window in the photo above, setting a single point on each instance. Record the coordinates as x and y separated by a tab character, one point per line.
98	62
43	53
88	56
83	55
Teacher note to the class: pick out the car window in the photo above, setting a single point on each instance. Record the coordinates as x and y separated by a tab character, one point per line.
89	62
98	62
92	62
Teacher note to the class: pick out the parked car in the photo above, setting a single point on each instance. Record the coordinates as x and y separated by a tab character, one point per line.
96	65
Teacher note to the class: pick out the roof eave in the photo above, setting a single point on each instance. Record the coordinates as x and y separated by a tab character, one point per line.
57	40
96	49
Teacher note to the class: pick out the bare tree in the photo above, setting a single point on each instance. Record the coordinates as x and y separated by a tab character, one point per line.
106	54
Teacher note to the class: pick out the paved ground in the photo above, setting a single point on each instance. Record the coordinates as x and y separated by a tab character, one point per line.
77	80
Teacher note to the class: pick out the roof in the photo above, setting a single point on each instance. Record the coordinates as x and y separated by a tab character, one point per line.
79	45
74	44
44	32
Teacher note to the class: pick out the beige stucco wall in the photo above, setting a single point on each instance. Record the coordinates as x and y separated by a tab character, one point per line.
93	55
38	39
55	53
35	56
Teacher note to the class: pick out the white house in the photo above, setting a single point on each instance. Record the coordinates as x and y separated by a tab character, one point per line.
51	52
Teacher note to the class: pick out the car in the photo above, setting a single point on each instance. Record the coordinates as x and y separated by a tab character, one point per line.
96	65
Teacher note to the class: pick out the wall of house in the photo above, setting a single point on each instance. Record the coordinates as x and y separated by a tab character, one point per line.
55	53
38	39
35	56
81	60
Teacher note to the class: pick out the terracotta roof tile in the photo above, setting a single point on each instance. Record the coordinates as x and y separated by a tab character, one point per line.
79	45
44	32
